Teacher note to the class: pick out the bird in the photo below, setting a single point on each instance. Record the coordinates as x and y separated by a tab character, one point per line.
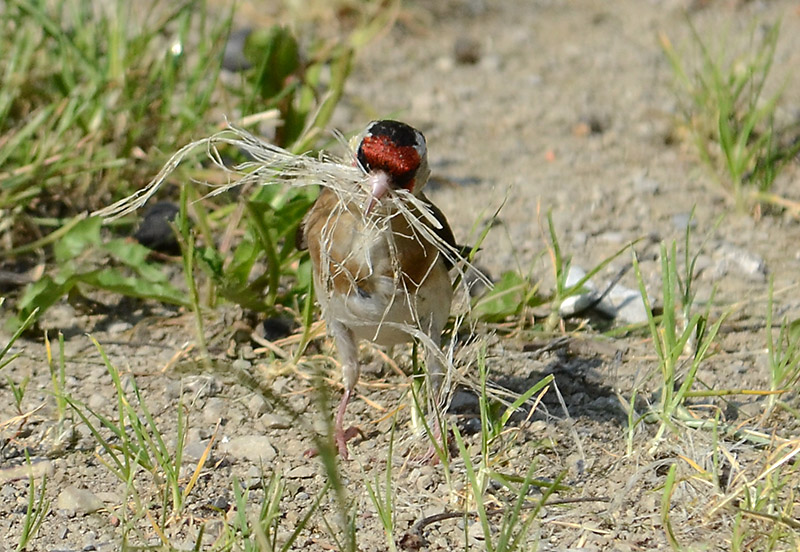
381	263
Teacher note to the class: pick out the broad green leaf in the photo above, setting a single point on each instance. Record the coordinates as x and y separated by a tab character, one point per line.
86	233
111	279
42	294
211	260
135	256
504	300
243	259
277	56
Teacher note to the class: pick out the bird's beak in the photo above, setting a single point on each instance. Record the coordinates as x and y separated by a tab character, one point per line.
379	182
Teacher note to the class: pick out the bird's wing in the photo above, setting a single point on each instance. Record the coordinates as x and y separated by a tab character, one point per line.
445	233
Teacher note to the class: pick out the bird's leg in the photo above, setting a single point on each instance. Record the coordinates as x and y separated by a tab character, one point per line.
341	435
434	381
347	346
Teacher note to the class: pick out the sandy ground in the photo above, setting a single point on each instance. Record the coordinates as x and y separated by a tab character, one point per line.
551	105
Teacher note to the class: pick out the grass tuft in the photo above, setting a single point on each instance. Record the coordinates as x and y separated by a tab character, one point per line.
732	118
36	511
783	355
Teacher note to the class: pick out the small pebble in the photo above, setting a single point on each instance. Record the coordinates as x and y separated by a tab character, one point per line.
444	64
201	386
279	385
89	539
643	185
302	472
193	451
494	63
172	389
423	482
97	401
576	303
472	426
254	448
155	232
274	421
214	410
37	469
78	501
7	493
624	304
467	51
60	316
233	58
620	302
98	373
749	264
221	502
612	237
128	383
683	220
256	405
118	327
241	364
463	401
110	497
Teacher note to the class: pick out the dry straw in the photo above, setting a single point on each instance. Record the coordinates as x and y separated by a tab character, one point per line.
272	165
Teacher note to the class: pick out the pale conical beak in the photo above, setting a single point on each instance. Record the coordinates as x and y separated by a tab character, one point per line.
380	186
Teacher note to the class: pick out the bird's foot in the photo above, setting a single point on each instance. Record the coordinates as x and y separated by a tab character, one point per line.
340	438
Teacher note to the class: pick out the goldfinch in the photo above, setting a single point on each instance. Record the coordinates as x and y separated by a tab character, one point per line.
377	276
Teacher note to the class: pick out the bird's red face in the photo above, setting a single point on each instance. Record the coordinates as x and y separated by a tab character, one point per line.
392	153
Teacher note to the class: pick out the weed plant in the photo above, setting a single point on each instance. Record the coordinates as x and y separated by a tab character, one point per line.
132	441
681	336
730	116
783	356
37	508
495	437
91	94
38	505
128	88
514	296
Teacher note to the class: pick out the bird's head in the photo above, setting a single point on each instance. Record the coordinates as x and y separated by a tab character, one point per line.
395	157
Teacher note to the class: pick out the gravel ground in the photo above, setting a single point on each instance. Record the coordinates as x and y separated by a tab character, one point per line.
546	105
